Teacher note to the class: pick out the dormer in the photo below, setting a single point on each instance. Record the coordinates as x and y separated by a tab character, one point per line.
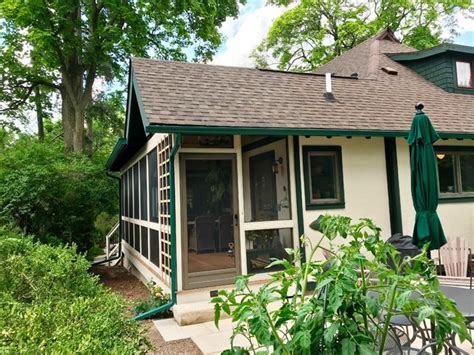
450	66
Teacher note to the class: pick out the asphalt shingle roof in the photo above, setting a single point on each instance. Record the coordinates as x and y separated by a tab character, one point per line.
178	93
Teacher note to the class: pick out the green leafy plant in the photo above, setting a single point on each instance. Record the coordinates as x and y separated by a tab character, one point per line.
342	305
156	298
49	303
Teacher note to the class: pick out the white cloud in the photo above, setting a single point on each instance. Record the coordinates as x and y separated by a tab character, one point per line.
245	33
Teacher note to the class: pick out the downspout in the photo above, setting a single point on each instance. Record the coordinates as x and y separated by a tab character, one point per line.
120	223
167	306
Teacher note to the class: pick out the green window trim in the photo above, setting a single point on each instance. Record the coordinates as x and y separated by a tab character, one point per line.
339	203
456	197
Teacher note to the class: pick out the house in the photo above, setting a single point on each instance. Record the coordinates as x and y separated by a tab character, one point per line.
222	168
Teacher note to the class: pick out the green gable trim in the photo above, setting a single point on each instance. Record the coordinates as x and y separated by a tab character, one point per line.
442	48
118	148
139	99
307	177
259	131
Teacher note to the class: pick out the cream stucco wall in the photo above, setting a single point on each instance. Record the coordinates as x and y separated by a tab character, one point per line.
457	218
365	182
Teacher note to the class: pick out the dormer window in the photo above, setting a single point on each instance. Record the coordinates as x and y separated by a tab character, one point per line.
465	74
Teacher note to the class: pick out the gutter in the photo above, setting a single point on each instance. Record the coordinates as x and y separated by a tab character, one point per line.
171	303
120	224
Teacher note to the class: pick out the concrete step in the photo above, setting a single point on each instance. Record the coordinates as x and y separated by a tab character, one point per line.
194	313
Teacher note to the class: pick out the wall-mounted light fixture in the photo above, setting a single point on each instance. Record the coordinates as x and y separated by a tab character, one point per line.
275	167
440	156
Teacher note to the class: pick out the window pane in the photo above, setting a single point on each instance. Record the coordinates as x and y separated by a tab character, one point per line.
266	184
143	190
264	245
463	70
136	207
154	247
144	241
467	172
323	176
153	185
446	173
125	195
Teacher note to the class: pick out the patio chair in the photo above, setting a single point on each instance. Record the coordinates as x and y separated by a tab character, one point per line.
202	239
454	257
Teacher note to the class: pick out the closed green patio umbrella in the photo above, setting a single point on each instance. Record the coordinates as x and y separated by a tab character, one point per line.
424	182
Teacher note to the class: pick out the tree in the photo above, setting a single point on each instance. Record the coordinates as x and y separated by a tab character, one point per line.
312	32
63	46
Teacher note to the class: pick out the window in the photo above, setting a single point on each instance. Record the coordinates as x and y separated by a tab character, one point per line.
465	74
153	184
129	194
143	190
323	177
455	171
264	245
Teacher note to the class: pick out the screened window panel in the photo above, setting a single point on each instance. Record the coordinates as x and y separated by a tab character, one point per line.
143	190
130	193
264	245
137	237
467	172
123	194
144	241
154	247
136	207
153	185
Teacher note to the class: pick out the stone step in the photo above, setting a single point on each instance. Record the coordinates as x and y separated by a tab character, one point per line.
194	313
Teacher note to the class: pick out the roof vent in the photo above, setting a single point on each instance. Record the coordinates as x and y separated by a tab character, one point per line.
354	75
328	94
390	70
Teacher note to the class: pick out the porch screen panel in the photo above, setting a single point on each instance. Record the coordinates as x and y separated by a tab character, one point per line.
143	190
164	148
144	241
154	247
130	193
153	185
137	237
136	206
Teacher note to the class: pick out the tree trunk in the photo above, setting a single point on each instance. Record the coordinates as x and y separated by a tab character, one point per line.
39	114
67	115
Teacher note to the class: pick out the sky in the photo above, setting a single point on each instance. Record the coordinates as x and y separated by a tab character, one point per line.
243	34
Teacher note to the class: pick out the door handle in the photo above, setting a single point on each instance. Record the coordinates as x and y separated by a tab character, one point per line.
236	218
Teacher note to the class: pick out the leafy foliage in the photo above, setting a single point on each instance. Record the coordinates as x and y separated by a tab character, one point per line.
54	195
355	295
50	304
156	298
63	47
312	32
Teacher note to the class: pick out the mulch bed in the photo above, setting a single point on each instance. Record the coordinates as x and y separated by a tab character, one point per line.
119	280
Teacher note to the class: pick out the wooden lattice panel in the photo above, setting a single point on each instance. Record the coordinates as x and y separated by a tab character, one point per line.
164	148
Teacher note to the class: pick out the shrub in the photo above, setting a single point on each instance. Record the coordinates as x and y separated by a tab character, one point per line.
50	303
156	298
349	309
54	195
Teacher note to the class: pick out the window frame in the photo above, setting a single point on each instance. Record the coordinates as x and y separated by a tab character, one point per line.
456	151
471	63
311	150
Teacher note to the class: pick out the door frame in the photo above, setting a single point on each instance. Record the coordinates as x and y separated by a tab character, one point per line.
213	277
